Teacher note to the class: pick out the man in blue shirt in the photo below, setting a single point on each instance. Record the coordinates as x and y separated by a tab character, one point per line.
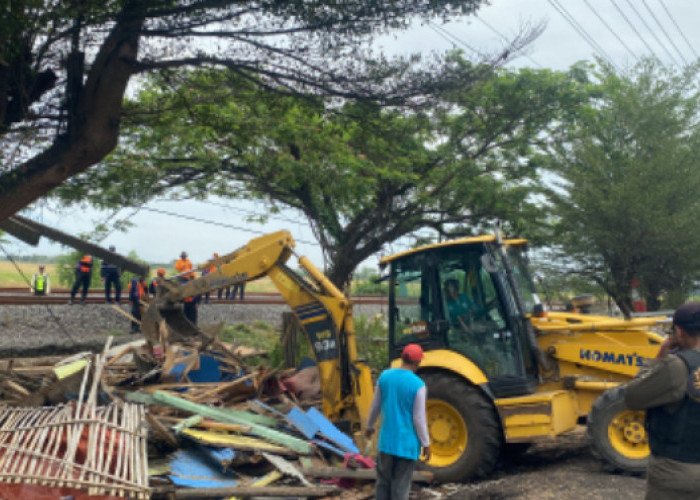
400	398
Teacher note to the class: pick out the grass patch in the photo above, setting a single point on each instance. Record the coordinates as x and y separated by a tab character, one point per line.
11	277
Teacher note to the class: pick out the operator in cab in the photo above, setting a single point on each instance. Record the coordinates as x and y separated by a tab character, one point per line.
459	306
668	388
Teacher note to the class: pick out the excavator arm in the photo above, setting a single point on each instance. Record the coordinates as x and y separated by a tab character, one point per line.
324	314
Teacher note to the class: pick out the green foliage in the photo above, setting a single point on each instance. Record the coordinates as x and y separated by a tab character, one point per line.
361	174
629	171
259	335
369	286
372	336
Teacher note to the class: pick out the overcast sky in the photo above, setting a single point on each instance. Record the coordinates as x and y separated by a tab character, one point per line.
620	31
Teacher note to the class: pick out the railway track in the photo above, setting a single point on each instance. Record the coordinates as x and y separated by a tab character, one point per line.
20	296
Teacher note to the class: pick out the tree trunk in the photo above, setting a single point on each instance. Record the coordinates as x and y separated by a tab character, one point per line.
94	124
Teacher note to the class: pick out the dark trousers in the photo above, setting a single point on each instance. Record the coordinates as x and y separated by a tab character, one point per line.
136	313
236	289
109	281
220	292
189	309
81	278
393	477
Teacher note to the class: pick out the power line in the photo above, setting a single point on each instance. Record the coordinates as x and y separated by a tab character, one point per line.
629	23
673	44
668	53
602	20
692	49
220	224
249	212
506	39
454	40
581	31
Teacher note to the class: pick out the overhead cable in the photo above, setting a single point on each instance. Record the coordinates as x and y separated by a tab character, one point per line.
454	40
670	40
668	53
631	25
602	20
581	31
692	49
215	223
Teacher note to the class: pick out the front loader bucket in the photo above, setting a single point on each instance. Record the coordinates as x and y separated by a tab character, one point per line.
171	323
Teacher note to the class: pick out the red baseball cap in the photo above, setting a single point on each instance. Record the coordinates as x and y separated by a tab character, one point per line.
412	352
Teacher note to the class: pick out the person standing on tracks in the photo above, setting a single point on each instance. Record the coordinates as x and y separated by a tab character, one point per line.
400	397
137	292
182	265
239	289
111	275
153	285
668	388
40	283
206	271
83	276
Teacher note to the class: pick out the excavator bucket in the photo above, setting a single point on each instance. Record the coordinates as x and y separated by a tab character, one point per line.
170	323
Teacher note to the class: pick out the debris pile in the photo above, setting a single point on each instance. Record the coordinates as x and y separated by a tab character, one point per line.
216	426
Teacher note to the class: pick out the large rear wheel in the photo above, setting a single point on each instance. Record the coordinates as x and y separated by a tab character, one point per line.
617	435
465	432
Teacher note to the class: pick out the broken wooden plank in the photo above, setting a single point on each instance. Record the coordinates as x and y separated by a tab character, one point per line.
286	468
256	491
162	431
419	476
230	416
234	441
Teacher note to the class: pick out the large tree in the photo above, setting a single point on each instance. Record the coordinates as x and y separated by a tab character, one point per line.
361	174
65	66
629	176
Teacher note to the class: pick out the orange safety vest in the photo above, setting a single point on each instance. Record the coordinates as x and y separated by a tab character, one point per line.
182	265
85	264
141	290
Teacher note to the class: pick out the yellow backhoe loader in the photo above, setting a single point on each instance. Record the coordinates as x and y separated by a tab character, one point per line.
501	373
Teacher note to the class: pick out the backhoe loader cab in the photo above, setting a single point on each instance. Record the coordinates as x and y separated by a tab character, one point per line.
458	297
500	372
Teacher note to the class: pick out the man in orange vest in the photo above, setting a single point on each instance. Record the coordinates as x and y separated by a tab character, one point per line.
83	275
182	265
137	291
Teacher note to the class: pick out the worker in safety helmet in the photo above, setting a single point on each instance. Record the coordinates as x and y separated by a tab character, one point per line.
110	274
182	265
668	388
83	275
137	293
400	397
153	285
40	282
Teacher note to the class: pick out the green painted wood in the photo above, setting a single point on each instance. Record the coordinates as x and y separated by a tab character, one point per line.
223	415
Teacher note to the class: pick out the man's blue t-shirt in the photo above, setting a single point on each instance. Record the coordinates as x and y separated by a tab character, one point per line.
397	435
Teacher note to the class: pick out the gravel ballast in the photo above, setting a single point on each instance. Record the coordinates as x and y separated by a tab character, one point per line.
35	330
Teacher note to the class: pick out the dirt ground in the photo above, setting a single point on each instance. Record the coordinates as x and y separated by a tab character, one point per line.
561	469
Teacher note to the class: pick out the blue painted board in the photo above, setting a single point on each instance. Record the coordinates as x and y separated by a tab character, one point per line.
331	432
192	470
301	421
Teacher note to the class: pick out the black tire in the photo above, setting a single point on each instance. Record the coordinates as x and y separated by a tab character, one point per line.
616	435
483	429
